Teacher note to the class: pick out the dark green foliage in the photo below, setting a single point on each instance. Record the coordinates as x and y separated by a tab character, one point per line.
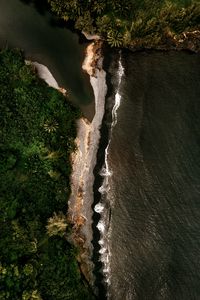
37	130
126	22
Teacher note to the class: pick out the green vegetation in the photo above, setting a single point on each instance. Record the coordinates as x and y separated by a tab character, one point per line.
37	134
131	22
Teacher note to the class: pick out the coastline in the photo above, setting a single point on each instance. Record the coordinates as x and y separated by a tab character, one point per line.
44	73
84	159
186	41
80	211
83	162
42	131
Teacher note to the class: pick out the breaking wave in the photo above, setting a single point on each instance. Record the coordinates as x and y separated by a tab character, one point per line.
103	207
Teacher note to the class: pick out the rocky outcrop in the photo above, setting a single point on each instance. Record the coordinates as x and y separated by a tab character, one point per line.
90	37
93	59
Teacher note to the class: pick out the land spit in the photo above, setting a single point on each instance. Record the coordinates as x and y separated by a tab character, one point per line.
84	160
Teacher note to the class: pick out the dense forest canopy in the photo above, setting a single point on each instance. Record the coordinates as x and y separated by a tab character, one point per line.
129	22
37	134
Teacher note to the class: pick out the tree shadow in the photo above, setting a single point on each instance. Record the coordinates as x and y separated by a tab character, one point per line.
43	7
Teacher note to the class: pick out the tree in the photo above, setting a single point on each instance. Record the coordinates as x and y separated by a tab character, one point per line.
37	136
85	22
51	125
57	225
115	38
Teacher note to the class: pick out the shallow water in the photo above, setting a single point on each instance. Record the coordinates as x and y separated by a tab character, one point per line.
45	41
154	190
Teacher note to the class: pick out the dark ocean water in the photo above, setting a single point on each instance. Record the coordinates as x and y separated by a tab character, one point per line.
154	189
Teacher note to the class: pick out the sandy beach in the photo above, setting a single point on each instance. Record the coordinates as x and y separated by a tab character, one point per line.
44	73
84	161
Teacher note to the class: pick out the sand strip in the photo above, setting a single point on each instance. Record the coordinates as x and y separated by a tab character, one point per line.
84	161
44	73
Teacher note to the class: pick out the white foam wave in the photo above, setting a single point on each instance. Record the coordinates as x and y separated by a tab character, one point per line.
101	226
117	95
106	270
101	242
102	190
106	173
120	70
102	250
115	108
99	208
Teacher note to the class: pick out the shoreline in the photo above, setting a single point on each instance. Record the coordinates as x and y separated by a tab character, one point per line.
80	211
83	161
44	73
186	41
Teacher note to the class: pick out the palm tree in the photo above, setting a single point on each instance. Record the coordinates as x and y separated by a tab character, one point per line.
103	23
127	37
51	126
99	7
85	23
114	38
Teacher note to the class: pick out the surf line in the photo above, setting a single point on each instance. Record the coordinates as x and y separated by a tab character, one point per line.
103	206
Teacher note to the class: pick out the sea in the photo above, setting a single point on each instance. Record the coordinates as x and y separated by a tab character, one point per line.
150	191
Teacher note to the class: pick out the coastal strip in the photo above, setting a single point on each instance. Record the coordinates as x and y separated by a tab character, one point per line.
84	160
44	73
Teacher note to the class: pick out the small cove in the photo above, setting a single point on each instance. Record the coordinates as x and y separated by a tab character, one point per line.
46	41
